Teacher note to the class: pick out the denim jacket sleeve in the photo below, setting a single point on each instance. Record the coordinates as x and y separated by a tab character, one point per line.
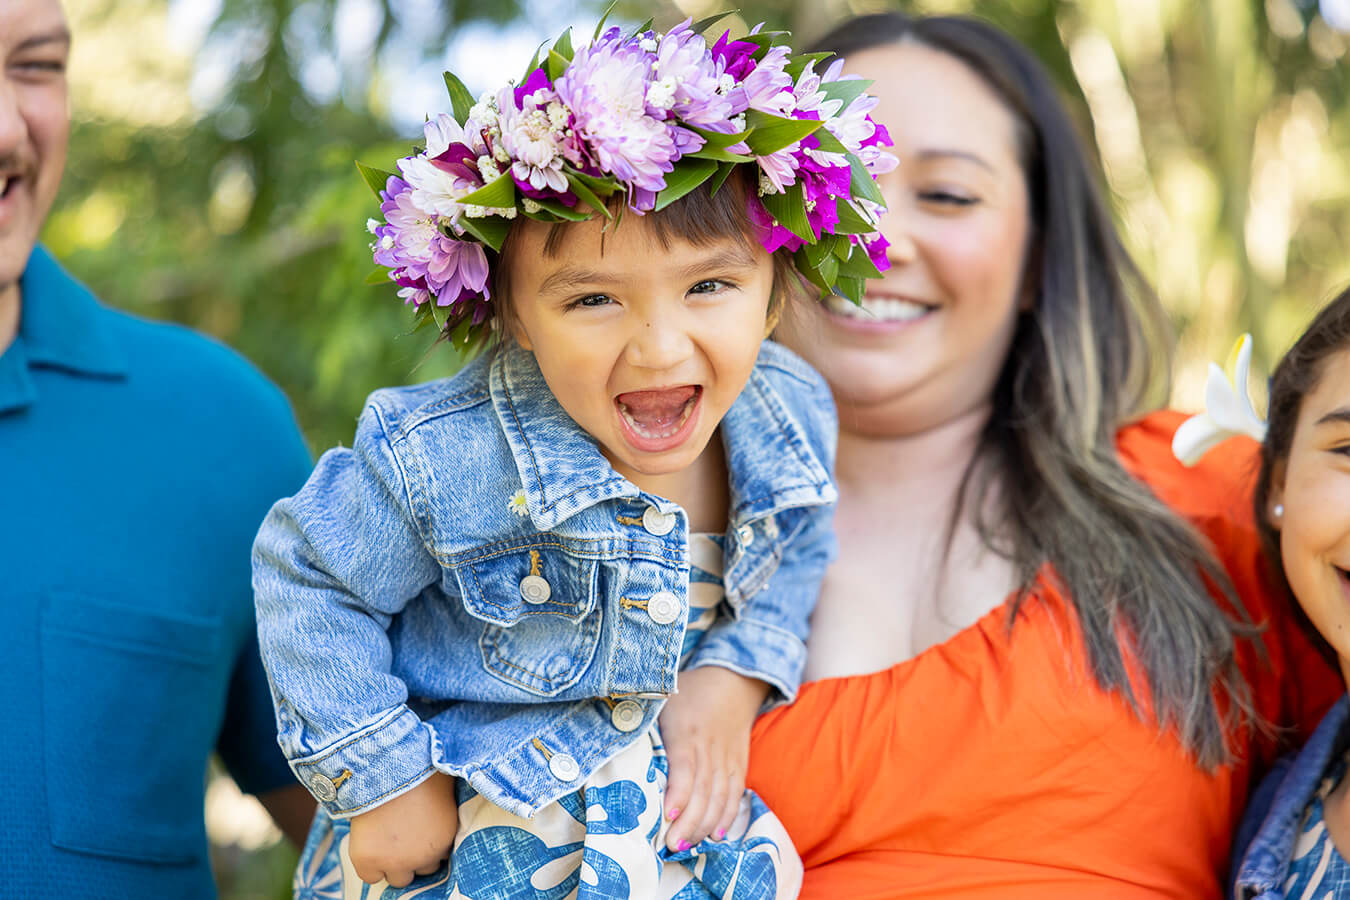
767	637
331	567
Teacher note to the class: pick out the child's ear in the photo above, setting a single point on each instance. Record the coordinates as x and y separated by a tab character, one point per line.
1275	499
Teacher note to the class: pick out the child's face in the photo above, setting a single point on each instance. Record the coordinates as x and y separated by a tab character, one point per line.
1313	487
645	346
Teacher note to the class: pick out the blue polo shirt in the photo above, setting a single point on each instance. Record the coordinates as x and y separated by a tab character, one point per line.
137	460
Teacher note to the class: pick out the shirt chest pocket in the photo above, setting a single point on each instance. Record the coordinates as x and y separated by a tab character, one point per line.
541	621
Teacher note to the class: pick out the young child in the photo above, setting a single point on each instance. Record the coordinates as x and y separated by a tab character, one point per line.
473	618
1295	836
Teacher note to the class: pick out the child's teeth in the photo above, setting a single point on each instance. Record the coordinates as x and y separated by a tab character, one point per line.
885	309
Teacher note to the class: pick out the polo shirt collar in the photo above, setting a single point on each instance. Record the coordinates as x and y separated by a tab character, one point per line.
62	326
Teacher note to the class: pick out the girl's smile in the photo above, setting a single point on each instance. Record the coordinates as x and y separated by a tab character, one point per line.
659	419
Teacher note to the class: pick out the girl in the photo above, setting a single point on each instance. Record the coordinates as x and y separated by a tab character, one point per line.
489	596
1295	836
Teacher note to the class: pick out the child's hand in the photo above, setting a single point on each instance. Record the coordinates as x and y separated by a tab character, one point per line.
706	730
408	836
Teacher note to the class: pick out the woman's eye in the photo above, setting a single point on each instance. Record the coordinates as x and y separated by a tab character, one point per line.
948	198
42	66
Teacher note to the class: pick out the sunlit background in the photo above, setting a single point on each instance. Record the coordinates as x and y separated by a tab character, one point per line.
211	179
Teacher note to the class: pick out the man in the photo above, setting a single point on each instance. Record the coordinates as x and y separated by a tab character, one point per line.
136	462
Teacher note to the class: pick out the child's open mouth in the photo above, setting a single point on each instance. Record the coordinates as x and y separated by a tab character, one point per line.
658	420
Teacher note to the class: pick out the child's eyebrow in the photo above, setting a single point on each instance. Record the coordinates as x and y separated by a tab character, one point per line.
729	258
569	277
1341	416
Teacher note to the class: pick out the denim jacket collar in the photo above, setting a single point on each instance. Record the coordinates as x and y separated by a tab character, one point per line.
544	440
1266	862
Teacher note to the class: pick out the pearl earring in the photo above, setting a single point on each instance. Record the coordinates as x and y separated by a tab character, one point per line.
1278	510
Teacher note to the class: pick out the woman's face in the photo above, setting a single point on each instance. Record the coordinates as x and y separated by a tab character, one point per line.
932	334
1310	505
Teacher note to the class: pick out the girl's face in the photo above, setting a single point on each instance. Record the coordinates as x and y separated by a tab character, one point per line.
932	335
1313	487
645	346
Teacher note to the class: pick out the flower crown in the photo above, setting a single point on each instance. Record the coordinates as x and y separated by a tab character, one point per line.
647	117
1228	409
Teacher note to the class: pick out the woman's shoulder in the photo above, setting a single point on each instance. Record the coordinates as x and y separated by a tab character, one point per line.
1219	487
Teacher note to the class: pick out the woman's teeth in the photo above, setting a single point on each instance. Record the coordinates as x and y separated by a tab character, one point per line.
880	309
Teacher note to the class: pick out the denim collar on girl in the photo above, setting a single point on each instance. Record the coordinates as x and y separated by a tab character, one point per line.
771	463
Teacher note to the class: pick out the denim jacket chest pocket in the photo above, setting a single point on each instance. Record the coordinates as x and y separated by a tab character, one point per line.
541	622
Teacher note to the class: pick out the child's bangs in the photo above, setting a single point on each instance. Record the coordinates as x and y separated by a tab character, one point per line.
699	217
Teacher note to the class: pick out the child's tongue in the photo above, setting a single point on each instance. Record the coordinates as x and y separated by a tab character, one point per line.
656	411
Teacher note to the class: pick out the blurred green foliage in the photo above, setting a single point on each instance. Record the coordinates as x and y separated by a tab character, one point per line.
1222	125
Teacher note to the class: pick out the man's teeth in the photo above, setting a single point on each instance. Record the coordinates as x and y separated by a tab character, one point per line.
4	184
881	309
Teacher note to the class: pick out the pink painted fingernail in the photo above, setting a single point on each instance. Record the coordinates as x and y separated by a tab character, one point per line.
673	814
721	833
685	845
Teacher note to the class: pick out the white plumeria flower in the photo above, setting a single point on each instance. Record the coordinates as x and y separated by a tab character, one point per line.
516	503
1228	409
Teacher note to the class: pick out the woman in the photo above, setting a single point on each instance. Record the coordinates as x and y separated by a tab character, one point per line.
1030	676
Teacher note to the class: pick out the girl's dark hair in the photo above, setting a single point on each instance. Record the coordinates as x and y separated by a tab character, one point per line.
1092	353
1295	377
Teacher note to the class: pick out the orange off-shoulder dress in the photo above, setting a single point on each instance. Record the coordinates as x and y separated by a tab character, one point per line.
992	766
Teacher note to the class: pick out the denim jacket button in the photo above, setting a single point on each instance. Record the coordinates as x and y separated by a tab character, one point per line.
534	589
663	607
626	715
322	787
746	535
564	767
657	522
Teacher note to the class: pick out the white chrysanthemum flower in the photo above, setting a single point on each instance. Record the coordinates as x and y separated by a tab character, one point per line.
1228	409
516	504
487	167
434	190
661	93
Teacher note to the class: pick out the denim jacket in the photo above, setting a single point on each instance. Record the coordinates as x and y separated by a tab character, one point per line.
472	588
1265	840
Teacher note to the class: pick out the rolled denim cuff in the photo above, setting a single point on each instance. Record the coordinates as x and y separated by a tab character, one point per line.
371	767
755	650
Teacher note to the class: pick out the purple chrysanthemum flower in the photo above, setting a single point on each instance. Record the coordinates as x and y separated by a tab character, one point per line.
689	86
419	254
605	87
767	87
457	270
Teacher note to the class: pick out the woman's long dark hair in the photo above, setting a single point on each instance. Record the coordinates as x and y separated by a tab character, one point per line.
1092	353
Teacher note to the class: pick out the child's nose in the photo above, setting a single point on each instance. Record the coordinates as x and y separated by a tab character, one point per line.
659	342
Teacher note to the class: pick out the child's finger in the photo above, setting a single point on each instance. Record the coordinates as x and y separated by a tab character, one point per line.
731	808
680	836
399	878
712	811
679	782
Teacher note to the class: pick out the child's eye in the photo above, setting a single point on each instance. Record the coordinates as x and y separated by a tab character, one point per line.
710	286
590	301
